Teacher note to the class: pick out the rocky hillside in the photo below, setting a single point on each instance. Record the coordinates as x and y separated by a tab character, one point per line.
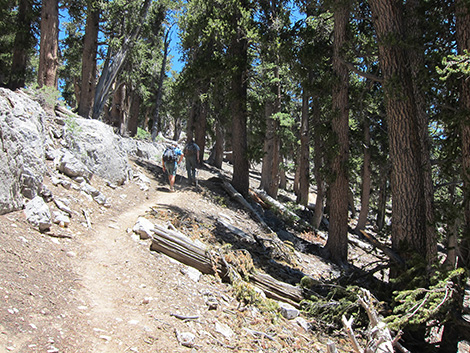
78	274
85	267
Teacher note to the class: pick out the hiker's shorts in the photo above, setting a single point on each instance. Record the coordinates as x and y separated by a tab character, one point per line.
171	168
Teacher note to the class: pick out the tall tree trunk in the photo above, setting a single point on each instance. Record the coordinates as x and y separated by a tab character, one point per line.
463	43
270	55
383	195
218	149
157	126
337	243
197	124
317	166
200	128
296	186
114	117
282	177
125	111
408	199
113	64
271	149
217	154
90	48
417	64
239	53
49	44
304	167
366	179
23	42
134	113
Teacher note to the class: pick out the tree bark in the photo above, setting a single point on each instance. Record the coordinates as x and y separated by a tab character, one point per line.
408	199
134	113
219	146
463	43
383	196
271	149
366	179
239	52
90	48
157	126
304	167
23	41
200	123
113	118
337	243
272	143
317	166
49	44
417	65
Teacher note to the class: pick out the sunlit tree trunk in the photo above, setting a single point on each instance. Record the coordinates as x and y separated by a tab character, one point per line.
157	126
90	47
337	243
270	167
200	120
23	42
218	150
49	45
117	103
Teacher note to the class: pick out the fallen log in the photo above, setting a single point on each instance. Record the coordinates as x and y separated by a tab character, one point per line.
284	213
277	290
181	248
199	256
241	200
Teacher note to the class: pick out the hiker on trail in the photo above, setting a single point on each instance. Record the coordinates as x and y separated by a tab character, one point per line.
170	160
191	153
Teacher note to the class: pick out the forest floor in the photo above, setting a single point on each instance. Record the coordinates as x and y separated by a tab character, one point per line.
97	287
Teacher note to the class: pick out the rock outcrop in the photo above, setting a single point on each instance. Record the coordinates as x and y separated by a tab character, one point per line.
22	153
80	148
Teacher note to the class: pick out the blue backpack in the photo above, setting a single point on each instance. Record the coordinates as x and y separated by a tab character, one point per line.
170	155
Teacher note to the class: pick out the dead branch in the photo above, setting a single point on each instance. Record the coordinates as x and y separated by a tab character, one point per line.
380	337
352	337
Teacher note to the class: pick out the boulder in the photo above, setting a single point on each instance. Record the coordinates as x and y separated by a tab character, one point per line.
71	166
98	148
22	156
288	311
143	149
38	213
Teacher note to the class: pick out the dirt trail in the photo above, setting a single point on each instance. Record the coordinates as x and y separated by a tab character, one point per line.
101	289
120	286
